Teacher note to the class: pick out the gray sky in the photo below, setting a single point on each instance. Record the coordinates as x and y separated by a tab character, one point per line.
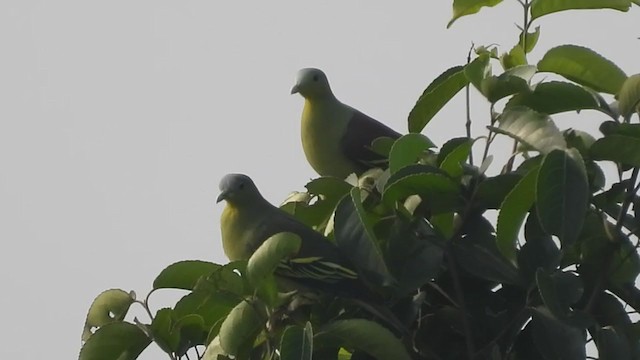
118	118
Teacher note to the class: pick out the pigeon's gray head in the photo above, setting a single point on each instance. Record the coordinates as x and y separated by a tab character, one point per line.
311	83
238	189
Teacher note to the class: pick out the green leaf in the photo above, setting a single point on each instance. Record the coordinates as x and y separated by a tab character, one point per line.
629	95
323	195
543	7
414	253
512	213
625	263
555	339
513	81
354	235
617	148
438	192
110	306
492	191
555	97
240	327
480	257
562	194
529	40
478	70
406	151
364	335
161	329
468	7
559	291
539	252
436	96
612	345
515	57
583	66
118	340
537	131
456	157
183	274
228	278
270	254
211	307
297	343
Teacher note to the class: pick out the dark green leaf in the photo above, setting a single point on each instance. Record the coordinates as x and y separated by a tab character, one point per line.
625	265
468	7
438	192
414	253
513	81
539	252
183	274
211	307
492	191
629	95
617	148
161	329
110	306
513	211
297	343
555	97
228	279
479	256
118	340
537	131
583	66
364	335
543	7
555	339
435	97
456	157
406	151
612	345
559	291
355	236
562	194
616	128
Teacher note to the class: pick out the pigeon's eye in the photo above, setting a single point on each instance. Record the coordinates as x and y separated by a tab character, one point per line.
241	186
316	77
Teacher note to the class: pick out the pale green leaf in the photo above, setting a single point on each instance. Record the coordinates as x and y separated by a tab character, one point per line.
537	131
629	96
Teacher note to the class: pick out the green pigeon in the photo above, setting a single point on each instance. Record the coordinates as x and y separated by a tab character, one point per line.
336	138
248	220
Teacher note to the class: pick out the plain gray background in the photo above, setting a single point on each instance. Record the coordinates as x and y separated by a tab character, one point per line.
118	118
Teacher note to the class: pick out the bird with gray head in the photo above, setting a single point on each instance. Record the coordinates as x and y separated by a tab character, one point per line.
336	138
248	220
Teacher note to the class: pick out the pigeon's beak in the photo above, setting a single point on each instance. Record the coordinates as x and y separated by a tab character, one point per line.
295	89
222	196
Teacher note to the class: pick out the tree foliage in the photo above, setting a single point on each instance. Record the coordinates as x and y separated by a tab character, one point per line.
552	273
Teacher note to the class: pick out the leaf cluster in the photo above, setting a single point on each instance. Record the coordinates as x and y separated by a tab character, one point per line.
534	261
